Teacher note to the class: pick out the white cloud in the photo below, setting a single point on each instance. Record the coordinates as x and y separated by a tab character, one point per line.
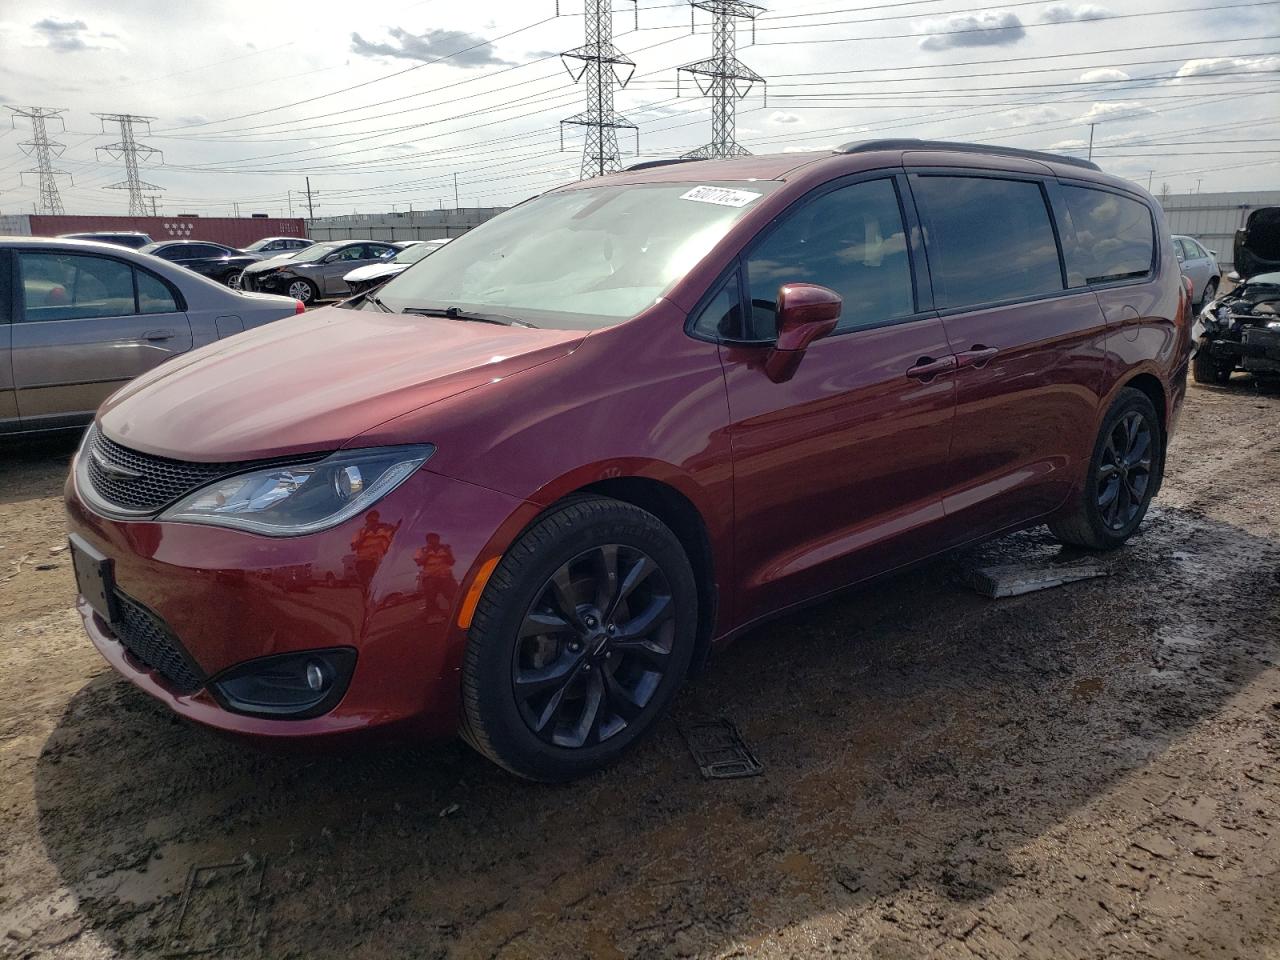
1103	74
1064	145
781	117
1115	110
70	36
992	29
463	49
1065	13
1211	65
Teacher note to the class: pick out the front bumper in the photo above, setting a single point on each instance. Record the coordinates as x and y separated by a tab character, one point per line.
266	282
224	597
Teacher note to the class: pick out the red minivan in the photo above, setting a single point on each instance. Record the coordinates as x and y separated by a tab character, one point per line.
522	490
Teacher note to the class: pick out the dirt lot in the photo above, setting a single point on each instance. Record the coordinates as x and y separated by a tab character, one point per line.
1092	771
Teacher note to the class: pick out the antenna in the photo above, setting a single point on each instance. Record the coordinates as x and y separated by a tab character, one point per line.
44	150
603	65
130	149
723	77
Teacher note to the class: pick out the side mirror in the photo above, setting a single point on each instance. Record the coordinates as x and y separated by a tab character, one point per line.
806	312
1213	253
1233	277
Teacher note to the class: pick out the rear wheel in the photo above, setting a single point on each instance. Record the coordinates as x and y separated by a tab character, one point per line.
581	639
1124	473
1210	291
232	279
1207	369
303	290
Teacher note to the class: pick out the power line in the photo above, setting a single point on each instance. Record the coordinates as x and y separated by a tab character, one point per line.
723	77
44	150
603	66
128	148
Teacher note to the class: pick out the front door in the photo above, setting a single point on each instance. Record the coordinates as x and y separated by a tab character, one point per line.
85	328
838	472
1030	352
8	399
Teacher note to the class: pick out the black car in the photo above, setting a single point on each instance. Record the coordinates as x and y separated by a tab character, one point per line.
1240	330
121	238
213	260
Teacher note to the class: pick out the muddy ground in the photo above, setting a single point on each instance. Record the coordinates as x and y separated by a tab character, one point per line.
1092	771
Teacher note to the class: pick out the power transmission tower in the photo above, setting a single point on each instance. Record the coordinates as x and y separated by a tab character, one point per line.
44	150
130	149
723	77
603	64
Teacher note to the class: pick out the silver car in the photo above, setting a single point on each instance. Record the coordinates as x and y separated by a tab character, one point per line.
1200	266
79	319
316	272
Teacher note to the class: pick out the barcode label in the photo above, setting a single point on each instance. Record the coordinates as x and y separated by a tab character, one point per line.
720	195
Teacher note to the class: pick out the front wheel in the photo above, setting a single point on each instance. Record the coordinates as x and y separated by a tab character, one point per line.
1124	472
1210	291
232	279
303	290
581	639
1205	369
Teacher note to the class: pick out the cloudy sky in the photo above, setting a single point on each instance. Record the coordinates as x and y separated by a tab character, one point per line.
383	104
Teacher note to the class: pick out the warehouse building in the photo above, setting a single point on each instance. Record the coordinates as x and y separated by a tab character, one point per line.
1214	218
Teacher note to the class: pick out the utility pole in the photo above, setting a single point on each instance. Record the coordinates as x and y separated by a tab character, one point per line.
153	206
290	204
43	150
311	211
723	77
455	190
1199	180
235	209
604	66
1091	126
128	148
1150	174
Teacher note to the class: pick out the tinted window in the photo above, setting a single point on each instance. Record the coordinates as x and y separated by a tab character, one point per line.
1115	239
204	250
153	295
176	251
60	286
850	240
722	317
987	239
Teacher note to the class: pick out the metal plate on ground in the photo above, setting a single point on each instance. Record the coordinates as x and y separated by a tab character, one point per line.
219	909
718	749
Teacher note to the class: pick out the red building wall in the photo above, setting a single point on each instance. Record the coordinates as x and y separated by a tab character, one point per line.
233	231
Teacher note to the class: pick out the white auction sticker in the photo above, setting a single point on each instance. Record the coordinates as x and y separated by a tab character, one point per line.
721	195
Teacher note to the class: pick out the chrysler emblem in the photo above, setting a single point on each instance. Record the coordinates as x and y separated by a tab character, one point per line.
113	469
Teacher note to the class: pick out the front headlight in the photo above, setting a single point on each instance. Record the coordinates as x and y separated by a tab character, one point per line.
289	500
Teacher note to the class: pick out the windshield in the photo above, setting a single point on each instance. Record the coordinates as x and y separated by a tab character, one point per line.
416	252
579	259
317	251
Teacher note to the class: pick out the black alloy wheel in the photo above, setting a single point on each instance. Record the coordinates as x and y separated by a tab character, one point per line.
594	646
1124	471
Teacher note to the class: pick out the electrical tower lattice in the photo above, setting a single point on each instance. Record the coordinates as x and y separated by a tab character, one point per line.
723	77
43	150
603	65
130	149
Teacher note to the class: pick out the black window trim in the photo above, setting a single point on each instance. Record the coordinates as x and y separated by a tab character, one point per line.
1046	191
922	294
18	311
1157	245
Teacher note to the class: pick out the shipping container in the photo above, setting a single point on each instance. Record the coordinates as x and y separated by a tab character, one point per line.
232	231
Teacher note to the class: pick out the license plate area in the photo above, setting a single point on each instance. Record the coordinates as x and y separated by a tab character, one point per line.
95	578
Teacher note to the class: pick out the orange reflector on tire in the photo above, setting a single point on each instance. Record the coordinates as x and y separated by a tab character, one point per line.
472	599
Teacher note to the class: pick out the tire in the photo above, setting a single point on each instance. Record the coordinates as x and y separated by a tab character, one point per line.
1205	369
1096	521
303	289
232	279
527	692
1210	291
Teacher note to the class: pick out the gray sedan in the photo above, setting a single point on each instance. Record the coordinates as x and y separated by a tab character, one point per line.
79	319
317	271
1200	266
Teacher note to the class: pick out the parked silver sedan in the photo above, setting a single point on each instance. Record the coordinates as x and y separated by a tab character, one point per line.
1200	266
79	319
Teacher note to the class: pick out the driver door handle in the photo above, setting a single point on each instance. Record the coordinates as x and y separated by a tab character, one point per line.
976	356
927	368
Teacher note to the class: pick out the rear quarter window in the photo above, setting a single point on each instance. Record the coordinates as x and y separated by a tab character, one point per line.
1114	237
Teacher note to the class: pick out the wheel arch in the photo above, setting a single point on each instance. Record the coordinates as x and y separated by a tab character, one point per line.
1150	385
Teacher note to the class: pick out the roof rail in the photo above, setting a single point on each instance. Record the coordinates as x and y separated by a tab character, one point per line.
908	143
650	164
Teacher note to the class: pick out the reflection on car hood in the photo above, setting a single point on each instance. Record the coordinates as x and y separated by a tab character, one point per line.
375	271
314	381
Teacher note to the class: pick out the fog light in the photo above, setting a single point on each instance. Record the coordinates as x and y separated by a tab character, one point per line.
315	676
287	686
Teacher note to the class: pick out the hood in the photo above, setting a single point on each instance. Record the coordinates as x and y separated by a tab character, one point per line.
375	271
314	382
262	266
1257	246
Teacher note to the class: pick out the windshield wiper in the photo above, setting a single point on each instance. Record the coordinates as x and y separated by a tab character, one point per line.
453	313
373	298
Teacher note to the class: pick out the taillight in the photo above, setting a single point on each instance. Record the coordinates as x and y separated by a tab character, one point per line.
299	308
1188	286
